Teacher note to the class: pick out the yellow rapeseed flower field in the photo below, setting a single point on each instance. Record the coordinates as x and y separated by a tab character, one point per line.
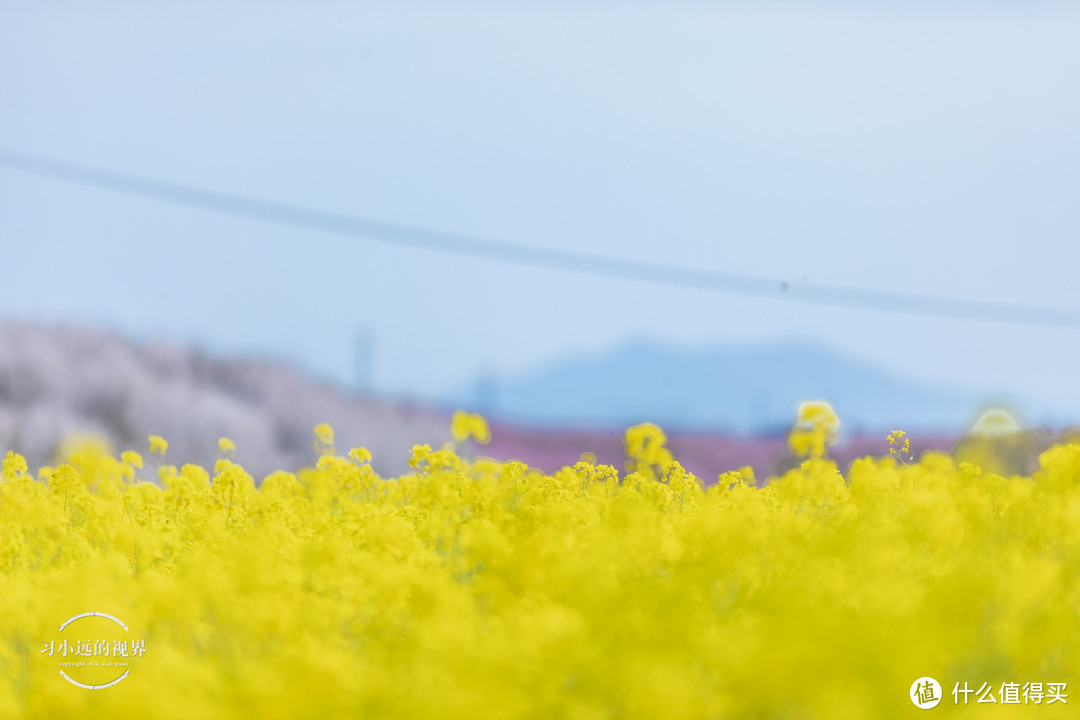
480	589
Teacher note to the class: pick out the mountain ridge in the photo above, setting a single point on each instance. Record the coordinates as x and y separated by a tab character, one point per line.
744	390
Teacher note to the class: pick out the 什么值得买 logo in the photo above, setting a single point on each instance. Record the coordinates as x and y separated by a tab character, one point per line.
101	654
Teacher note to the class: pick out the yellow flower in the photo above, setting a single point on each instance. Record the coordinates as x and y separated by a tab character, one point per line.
14	465
904	450
815	429
360	455
132	458
646	450
464	425
373	586
158	445
324	439
419	455
225	445
444	459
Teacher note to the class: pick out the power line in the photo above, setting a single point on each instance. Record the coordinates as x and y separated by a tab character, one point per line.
532	256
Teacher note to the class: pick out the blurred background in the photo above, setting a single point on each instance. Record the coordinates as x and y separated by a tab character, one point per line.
240	218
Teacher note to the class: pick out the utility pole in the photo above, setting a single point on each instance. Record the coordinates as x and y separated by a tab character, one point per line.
486	393
364	360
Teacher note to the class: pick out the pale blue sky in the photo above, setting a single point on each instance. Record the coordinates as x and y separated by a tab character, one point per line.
926	147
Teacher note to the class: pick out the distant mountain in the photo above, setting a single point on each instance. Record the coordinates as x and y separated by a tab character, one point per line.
736	390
